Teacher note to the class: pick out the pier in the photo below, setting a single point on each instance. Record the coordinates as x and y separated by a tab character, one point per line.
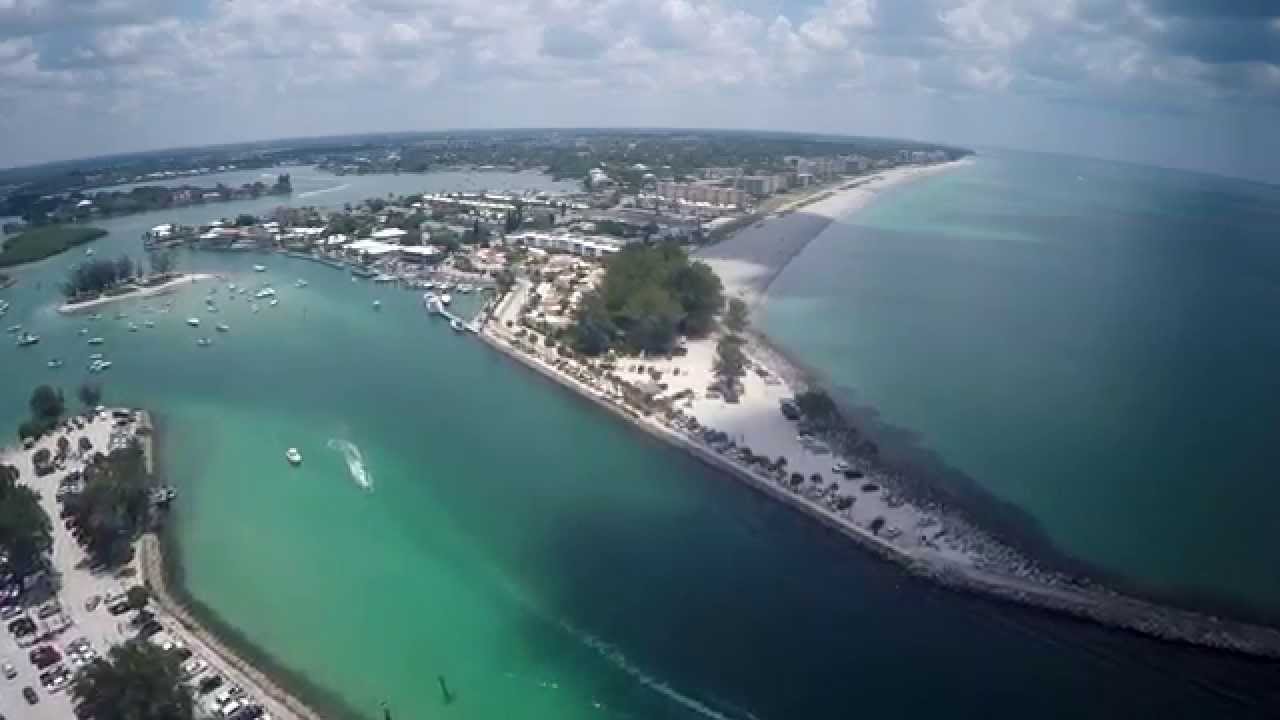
435	307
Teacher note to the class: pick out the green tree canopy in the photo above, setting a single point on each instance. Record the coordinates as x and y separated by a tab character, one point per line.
136	681
25	533
46	403
650	295
735	319
90	394
112	508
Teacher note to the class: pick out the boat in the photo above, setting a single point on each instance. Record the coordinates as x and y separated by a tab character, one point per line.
149	323
96	341
133	327
223	328
457	325
231	287
84	331
254	307
27	339
204	342
89	252
14	328
95	356
293	456
445	299
95	316
274	302
54	363
120	316
98	366
265	293
259	268
301	283
193	321
377	304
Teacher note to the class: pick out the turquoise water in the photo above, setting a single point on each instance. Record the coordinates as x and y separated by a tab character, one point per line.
1093	343
546	559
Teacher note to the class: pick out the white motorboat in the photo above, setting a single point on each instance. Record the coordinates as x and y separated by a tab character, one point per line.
259	268
193	321
301	283
293	456
223	328
204	342
149	323
54	363
84	331
445	299
14	328
27	339
274	302
133	327
96	341
265	293
95	356
377	304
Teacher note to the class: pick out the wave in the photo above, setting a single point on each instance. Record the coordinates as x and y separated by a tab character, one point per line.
335	188
615	657
355	463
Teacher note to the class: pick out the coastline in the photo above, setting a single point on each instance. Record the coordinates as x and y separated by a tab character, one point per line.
185	279
958	555
78	584
1093	604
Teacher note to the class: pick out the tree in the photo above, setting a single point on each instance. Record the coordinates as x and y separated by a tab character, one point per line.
112	508
700	294
46	403
136	681
730	362
162	262
124	268
26	535
137	596
651	318
735	320
90	395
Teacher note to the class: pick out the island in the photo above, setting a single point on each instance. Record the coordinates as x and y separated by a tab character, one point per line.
102	281
38	243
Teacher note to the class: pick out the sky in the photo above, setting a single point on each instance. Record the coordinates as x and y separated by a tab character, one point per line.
1180	83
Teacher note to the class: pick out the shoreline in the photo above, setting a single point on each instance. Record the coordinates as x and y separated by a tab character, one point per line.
1094	604
141	291
146	567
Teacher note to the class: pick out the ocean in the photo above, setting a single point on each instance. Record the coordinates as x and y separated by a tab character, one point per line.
1086	346
458	516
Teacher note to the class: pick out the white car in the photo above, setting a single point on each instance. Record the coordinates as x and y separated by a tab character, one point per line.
10	672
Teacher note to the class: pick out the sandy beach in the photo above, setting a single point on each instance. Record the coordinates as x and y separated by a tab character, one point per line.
77	585
749	260
169	286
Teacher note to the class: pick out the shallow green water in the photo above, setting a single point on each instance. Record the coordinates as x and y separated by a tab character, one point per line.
546	559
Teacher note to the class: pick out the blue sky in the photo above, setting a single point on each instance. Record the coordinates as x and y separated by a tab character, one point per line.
1184	83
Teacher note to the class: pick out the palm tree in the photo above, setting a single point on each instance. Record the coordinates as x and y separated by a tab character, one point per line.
137	681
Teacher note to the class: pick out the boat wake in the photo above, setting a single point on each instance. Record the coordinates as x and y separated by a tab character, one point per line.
355	463
615	657
335	188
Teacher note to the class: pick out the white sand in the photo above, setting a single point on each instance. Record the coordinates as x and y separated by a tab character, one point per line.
141	292
749	260
78	584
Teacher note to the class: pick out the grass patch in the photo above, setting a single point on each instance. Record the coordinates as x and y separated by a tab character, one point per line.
42	242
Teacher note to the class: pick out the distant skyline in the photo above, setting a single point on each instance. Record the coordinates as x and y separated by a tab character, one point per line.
1179	83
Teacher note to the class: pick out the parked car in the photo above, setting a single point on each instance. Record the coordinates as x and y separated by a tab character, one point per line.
150	629
44	656
119	607
209	684
10	672
31	697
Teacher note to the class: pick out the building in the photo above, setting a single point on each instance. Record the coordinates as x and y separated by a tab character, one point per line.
573	243
701	193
